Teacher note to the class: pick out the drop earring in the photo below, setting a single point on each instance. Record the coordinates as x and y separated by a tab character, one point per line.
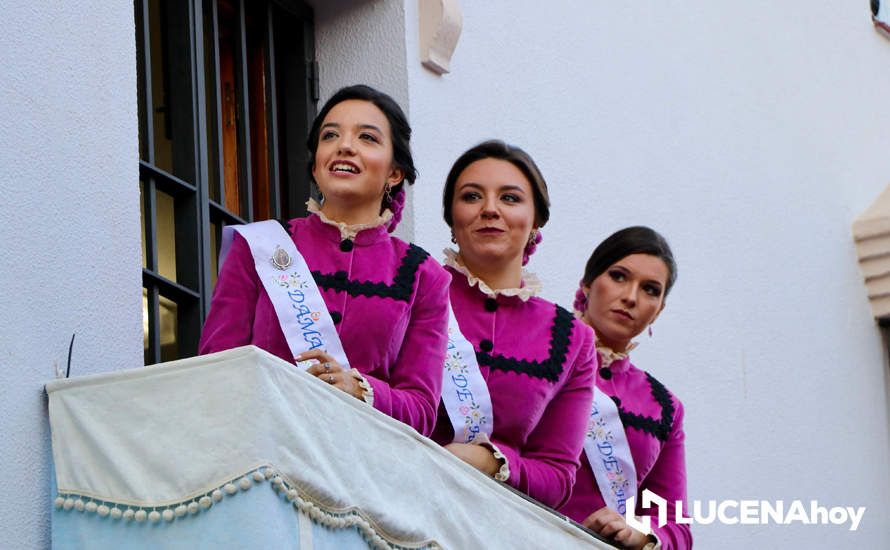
453	239
387	197
650	331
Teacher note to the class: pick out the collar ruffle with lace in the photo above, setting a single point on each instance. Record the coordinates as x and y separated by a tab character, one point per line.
531	285
612	358
347	231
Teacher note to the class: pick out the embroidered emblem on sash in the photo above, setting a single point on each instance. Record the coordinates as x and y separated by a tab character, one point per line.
280	258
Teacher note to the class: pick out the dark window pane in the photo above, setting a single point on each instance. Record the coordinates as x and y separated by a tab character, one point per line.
258	102
293	108
228	47
214	254
165	237
171	88
169	330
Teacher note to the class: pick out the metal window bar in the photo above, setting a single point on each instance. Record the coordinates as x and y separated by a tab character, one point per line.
154	324
144	85
217	104
165	181
148	187
191	330
272	115
245	175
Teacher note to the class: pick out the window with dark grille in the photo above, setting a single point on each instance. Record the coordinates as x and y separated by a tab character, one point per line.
226	92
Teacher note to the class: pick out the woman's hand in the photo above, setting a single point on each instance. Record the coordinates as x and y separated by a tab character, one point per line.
476	456
332	372
610	524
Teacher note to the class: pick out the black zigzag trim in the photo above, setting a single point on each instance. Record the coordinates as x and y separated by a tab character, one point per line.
661	429
550	368
401	288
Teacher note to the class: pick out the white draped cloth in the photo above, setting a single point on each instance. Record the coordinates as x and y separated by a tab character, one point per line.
167	443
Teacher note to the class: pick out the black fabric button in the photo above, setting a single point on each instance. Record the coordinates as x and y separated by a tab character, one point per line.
341	275
606	373
346	245
486	345
336	317
617	401
491	304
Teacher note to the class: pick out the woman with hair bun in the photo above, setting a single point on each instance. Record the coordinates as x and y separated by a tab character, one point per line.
520	373
364	311
635	438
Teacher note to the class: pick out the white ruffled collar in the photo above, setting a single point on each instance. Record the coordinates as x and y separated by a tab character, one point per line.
608	356
347	231
531	285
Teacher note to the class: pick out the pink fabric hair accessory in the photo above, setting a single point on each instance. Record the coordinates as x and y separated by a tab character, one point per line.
580	304
396	206
531	246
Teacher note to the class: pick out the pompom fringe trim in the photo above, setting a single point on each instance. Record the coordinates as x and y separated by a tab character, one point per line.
318	513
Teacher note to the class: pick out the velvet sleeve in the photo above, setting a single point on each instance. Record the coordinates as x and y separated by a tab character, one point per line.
233	304
544	468
667	479
412	392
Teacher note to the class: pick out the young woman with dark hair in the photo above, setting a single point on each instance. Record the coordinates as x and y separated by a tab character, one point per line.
521	392
382	303
635	439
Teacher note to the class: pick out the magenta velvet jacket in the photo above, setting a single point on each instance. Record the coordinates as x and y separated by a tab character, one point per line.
388	300
539	363
653	421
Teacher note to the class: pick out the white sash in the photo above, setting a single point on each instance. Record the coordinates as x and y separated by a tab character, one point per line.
285	276
609	455
464	391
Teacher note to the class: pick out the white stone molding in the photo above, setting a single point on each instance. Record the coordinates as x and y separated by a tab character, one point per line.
440	26
871	232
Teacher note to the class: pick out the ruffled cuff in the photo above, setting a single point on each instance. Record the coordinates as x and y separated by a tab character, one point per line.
367	390
503	473
654	542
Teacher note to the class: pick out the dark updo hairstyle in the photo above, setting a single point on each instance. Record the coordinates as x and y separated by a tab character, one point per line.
400	133
630	240
497	149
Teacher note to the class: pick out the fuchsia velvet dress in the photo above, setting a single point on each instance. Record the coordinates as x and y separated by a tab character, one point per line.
539	364
653	421
388	300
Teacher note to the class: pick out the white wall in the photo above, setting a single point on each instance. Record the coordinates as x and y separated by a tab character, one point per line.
69	226
750	134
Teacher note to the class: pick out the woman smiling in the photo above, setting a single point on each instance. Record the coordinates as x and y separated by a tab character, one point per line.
525	380
371	310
